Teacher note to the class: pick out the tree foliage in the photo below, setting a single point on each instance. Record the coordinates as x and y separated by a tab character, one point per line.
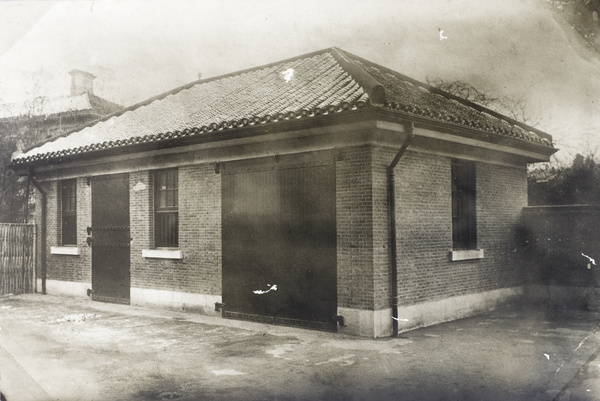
548	184
575	184
16	133
12	188
514	107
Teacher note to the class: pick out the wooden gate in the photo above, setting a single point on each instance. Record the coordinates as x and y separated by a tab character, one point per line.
17	258
279	246
110	238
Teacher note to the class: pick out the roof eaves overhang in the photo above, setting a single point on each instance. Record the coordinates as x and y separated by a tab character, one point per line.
385	119
452	132
222	134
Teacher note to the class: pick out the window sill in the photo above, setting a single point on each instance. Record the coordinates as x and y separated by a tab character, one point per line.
162	253
468	254
64	250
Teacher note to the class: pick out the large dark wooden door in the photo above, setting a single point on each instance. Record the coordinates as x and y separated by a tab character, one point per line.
279	229
110	238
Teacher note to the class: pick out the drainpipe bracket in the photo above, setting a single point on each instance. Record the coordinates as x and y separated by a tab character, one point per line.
339	319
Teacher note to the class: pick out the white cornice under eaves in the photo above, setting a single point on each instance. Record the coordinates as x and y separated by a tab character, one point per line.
426	133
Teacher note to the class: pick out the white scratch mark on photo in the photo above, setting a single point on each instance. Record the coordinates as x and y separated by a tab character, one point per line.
271	288
228	372
580	344
593	261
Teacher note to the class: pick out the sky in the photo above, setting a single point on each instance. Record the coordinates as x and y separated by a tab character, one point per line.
138	49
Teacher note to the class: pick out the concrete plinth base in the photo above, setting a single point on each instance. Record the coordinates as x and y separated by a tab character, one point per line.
69	288
366	323
175	300
374	324
444	310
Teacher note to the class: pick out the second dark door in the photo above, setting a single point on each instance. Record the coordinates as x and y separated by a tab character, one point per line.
279	246
110	238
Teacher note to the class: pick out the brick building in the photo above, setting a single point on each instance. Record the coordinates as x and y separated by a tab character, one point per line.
23	124
38	119
268	194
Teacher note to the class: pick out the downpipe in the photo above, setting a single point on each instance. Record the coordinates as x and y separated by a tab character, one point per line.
409	128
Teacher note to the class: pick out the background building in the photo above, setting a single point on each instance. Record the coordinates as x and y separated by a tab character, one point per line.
39	119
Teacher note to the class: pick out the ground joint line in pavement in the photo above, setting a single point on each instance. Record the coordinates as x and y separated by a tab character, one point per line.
16	383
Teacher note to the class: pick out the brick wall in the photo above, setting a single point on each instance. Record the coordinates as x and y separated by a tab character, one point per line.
502	194
84	220
199	233
423	218
355	235
141	223
424	227
382	273
199	238
75	268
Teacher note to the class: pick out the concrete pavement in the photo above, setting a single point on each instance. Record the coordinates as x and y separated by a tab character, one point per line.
56	348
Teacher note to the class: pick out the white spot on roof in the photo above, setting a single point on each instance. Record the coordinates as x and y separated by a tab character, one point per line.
288	74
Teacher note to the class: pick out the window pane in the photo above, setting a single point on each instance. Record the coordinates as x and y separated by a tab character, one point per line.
69	230
162	199
69	212
166	226
169	203
166	223
463	205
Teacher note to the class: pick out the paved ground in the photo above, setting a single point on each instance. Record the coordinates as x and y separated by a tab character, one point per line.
55	348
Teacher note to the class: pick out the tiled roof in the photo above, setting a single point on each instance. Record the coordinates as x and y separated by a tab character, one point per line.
102	107
329	81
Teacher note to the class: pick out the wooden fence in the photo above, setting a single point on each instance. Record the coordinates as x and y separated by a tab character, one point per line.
17	258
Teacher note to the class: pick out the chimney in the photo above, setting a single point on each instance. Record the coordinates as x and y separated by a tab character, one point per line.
81	82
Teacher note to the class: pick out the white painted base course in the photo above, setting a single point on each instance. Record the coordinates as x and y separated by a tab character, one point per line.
69	288
364	323
374	324
430	313
175	300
